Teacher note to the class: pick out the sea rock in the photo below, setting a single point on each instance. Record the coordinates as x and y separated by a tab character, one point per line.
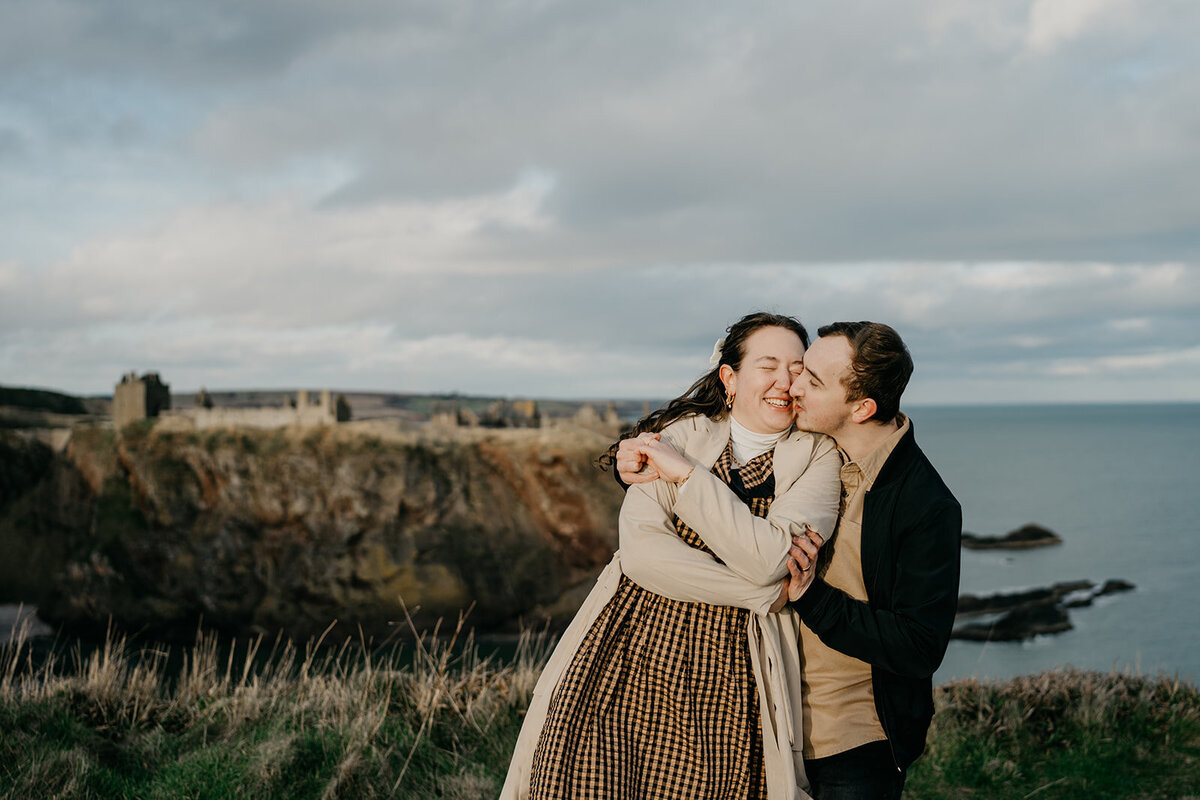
1029	613
1024	537
291	529
971	605
1111	586
1114	585
1022	623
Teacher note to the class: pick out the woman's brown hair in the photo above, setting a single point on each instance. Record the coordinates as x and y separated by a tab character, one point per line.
707	395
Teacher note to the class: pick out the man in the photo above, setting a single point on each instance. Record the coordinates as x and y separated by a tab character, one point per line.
876	621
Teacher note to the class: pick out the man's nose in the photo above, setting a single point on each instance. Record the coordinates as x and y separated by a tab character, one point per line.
796	390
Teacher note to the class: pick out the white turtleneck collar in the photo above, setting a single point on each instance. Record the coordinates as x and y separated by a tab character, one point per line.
747	444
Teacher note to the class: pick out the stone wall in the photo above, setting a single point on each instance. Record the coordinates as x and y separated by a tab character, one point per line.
301	412
203	418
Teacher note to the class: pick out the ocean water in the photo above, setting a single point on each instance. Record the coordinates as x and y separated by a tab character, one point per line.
1119	484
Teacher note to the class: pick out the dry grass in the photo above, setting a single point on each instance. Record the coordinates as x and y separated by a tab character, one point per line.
273	720
257	721
1049	703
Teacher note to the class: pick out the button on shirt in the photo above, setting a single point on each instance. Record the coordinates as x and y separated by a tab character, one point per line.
839	702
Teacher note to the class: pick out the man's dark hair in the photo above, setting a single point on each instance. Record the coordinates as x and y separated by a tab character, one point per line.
880	365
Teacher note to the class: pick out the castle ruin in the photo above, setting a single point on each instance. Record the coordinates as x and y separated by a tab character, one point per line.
526	414
137	398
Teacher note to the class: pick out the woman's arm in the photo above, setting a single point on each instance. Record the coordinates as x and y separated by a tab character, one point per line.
654	557
754	547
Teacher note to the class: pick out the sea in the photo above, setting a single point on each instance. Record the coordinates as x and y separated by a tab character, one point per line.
1119	484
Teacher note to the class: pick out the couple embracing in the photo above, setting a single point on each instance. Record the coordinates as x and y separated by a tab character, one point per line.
784	588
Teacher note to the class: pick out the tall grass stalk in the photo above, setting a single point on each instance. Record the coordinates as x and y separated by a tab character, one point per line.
438	720
248	721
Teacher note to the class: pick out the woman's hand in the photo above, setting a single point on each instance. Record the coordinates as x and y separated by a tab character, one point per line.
646	457
782	600
669	463
631	459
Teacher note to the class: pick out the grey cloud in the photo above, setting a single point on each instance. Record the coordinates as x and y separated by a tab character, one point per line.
12	143
647	332
174	41
949	317
703	162
791	132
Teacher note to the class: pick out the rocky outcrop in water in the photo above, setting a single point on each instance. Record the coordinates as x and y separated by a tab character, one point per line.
1022	538
291	529
1025	614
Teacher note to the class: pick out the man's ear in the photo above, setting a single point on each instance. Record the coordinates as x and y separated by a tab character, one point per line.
863	410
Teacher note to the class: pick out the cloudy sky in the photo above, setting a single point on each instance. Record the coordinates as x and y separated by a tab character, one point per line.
573	199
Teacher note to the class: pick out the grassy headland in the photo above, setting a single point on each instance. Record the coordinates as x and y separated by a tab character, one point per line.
440	722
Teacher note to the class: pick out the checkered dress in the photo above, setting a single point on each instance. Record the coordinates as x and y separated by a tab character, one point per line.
659	700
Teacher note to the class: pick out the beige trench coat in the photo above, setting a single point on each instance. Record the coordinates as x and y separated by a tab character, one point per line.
807	490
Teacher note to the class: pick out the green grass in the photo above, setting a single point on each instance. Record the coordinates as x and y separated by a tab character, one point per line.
1063	734
328	723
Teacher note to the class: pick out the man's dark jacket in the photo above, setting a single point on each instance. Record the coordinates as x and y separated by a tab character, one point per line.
911	535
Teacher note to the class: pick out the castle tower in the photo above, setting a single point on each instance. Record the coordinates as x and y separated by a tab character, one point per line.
137	398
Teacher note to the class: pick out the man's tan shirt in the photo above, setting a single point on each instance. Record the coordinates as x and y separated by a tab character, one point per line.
839	703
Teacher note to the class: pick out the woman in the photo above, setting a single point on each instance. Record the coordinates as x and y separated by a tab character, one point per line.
676	679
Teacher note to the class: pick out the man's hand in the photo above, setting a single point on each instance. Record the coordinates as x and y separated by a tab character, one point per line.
804	549
632	466
802	557
798	581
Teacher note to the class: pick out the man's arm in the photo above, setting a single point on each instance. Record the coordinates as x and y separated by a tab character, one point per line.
909	639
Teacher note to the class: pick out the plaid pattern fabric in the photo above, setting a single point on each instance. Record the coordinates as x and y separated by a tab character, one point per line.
659	702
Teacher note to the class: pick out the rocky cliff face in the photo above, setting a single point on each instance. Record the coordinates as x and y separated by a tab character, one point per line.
291	529
44	501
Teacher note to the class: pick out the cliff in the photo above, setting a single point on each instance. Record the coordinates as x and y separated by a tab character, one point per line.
293	528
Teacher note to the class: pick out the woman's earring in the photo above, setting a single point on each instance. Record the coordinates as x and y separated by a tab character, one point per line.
729	399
